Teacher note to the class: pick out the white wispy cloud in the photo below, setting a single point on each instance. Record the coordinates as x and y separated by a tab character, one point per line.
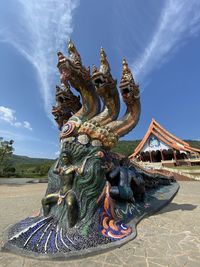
8	115
179	20
44	28
27	125
18	136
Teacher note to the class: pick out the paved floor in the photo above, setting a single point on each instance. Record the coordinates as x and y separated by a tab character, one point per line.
169	238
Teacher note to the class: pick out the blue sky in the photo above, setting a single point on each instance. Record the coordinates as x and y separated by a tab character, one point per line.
159	39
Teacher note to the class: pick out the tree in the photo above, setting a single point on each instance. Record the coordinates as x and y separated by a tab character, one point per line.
44	168
9	171
6	150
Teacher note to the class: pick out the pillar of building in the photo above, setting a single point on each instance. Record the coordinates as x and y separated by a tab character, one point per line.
162	155
150	156
175	155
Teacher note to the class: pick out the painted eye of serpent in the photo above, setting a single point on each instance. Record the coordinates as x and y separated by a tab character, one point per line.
68	128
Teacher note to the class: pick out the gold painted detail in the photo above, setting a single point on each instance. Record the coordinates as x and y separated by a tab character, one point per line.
107	138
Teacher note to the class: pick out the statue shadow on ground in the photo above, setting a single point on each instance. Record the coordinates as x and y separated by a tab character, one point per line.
176	206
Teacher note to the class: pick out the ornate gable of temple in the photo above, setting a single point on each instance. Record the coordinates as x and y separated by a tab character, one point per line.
159	139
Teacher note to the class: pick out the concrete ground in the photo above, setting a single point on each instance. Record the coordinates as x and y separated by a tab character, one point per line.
169	238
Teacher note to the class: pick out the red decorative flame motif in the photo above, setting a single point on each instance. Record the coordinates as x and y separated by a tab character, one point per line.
110	227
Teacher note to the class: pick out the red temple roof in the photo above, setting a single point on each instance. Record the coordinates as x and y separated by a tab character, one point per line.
166	137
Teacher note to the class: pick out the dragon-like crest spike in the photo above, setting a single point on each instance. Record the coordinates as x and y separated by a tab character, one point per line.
70	44
124	61
104	66
71	47
126	72
73	53
102	51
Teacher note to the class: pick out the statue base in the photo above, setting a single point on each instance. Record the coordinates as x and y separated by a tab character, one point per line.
39	237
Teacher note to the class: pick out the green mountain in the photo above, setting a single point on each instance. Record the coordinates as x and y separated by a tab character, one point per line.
16	160
22	166
193	143
126	147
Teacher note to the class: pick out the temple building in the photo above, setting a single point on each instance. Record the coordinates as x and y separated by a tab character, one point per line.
160	146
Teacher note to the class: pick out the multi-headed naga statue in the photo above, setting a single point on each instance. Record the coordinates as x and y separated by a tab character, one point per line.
94	197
